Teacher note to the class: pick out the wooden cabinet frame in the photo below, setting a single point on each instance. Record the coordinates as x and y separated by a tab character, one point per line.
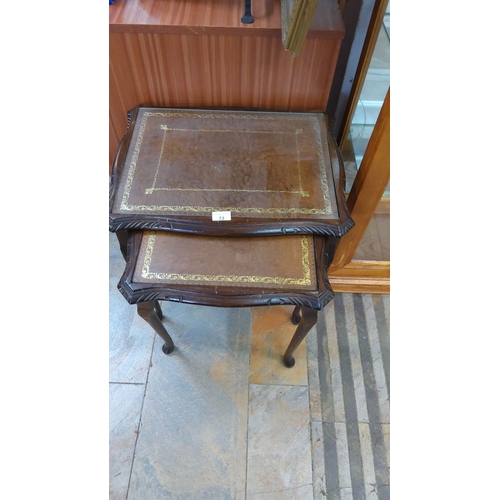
371	180
346	274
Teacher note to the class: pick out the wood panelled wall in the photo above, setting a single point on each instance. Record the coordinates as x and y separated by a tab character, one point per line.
197	54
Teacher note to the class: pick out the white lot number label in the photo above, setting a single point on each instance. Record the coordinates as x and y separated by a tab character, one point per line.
221	216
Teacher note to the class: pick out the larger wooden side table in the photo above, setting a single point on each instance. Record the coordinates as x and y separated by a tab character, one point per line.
227	208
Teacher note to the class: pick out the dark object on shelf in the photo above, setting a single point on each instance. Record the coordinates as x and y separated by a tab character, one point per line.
247	17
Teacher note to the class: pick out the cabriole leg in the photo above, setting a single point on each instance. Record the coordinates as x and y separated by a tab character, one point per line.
148	311
158	310
296	315
307	321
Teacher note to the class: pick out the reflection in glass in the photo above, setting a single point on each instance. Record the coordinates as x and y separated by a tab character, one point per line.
369	104
374	245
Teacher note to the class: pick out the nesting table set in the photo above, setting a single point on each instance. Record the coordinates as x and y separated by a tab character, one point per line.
228	209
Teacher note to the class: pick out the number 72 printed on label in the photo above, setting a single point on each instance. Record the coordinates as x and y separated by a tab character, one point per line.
220	216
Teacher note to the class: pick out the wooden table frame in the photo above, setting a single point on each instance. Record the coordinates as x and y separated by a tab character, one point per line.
259	226
130	227
307	303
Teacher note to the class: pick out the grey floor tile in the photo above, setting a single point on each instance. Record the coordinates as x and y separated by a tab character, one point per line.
130	337
357	459
318	461
335	371
386	301
279	445
386	437
192	441
272	330
300	493
130	345
377	367
313	375
356	360
342	457
346	494
342	378
380	450
125	403
331	459
207	432
370	481
381	309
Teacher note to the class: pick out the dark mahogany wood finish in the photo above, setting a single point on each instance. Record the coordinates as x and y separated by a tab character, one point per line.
223	295
307	302
151	240
337	224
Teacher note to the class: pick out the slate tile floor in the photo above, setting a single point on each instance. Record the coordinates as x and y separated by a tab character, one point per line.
222	418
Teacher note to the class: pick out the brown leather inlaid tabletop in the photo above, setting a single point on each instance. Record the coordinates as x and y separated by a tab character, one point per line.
276	262
252	164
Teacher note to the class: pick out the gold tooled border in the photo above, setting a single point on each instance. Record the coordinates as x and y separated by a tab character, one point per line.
216	278
327	210
166	128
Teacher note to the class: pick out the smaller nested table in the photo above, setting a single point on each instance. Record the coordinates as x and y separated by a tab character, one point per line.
227	272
